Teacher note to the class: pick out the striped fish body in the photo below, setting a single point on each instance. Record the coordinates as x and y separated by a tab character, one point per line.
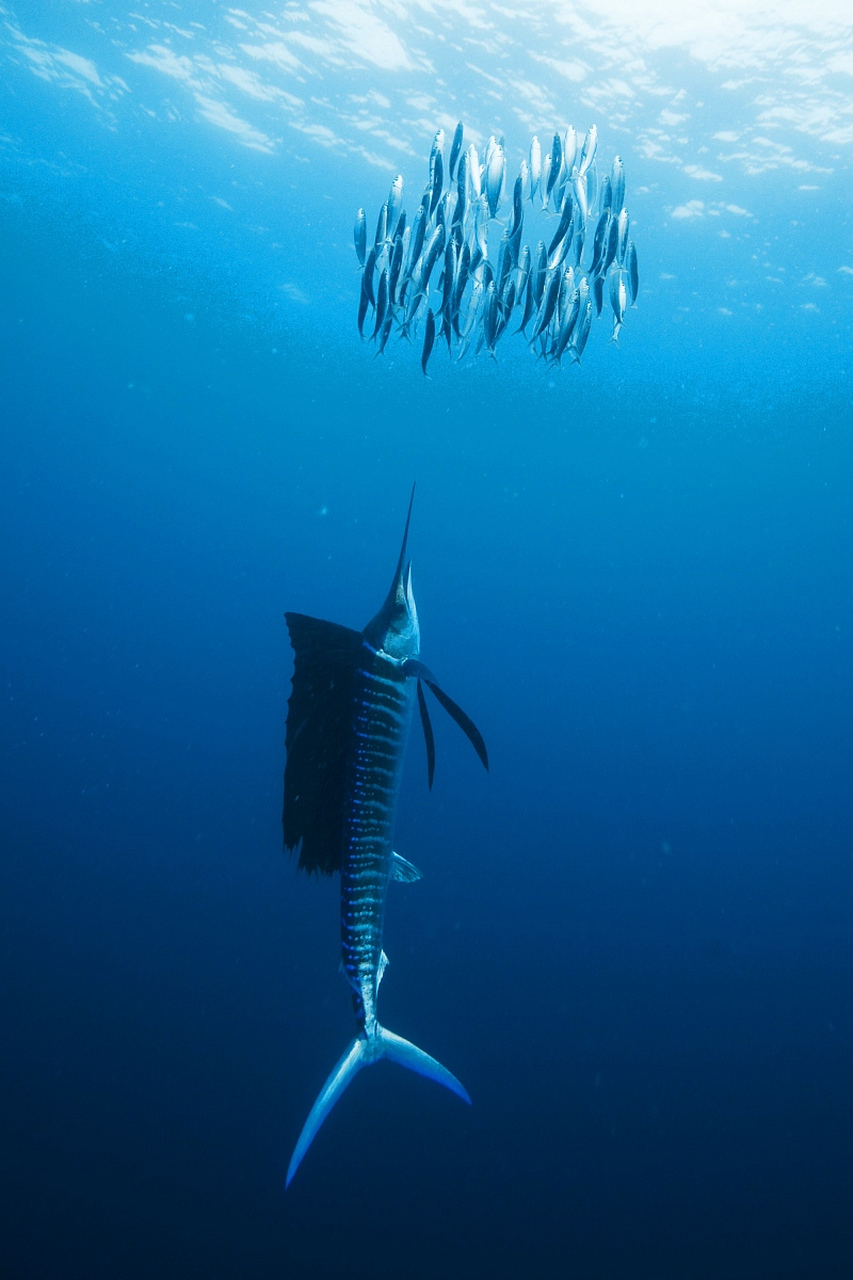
383	704
348	719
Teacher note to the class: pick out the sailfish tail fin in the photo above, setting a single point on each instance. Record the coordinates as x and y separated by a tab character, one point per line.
360	1053
406	1054
350	1064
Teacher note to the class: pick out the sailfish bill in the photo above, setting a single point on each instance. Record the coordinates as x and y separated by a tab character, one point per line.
348	716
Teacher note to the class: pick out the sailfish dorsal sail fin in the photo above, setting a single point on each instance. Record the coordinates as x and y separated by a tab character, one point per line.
319	724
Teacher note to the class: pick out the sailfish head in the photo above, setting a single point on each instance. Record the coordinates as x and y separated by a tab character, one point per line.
395	628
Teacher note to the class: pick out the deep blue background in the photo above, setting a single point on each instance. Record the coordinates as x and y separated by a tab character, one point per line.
632	942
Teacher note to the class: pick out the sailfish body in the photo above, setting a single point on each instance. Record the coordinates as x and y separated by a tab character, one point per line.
347	725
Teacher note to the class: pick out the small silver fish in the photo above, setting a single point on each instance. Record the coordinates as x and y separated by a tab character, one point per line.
430	254
381	228
395	203
581	334
524	174
363	304
598	293
473	175
580	189
623	222
367	277
461	190
540	271
522	270
606	194
481	225
535	165
599	243
568	320
496	166
472	319
394	270
570	149
556	162
381	303
436	168
612	244
590	144
360	236
617	183
633	272
490	318
429	341
549	302
591	178
416	243
618	301
455	150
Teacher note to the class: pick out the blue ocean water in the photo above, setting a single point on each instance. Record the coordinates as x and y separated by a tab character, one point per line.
633	940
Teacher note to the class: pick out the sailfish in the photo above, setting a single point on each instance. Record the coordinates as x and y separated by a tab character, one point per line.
348	718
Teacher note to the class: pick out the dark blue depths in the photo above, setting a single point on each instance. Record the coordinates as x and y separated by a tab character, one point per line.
632	941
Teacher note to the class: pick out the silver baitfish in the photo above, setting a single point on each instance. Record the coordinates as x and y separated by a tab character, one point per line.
623	222
535	165
570	149
395	202
455	150
590	145
617	185
556	163
429	340
381	228
633	272
474	175
618	301
360	236
453	236
495	168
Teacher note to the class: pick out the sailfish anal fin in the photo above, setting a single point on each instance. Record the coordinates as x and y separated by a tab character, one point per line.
413	667
403	870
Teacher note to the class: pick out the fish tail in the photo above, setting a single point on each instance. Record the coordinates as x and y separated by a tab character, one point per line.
406	1054
360	1053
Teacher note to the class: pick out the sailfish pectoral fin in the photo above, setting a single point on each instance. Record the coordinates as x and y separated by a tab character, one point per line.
413	667
466	724
363	1051
429	736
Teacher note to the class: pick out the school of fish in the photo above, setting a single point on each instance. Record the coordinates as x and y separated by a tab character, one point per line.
459	273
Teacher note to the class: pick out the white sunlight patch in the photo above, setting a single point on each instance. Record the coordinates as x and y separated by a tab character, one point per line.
294	293
365	34
165	61
693	209
702	175
217	113
63	68
80	66
784	68
276	52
